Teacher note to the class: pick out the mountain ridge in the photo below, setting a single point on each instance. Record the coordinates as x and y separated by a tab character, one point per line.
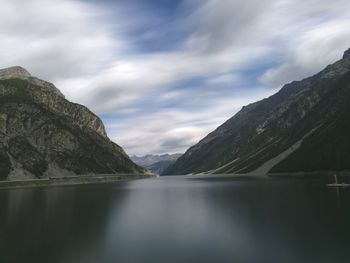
42	133
264	129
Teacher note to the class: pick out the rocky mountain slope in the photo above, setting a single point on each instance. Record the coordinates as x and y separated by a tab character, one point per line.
156	163
42	133
304	127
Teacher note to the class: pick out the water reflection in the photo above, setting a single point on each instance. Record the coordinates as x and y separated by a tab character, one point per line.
183	219
50	224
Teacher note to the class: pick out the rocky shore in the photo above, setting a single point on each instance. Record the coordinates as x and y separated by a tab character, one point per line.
72	180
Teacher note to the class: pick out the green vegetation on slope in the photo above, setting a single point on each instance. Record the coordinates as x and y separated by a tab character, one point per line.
328	148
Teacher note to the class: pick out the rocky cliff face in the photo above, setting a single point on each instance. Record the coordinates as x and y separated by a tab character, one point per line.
42	134
303	127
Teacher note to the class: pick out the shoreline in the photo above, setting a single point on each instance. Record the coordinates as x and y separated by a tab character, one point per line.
308	174
295	175
72	180
112	178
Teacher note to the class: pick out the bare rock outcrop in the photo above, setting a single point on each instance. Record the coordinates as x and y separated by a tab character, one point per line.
40	129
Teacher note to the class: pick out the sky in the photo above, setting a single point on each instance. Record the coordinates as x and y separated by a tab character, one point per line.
162	74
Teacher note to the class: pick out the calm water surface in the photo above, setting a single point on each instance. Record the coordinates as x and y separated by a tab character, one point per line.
182	219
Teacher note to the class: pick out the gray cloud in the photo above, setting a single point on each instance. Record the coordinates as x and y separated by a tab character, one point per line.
309	52
225	25
54	39
156	130
150	100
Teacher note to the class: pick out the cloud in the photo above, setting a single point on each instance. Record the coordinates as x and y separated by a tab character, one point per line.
319	35
54	39
222	25
164	78
309	52
172	129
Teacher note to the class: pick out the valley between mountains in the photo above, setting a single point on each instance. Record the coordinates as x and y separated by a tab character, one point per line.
304	127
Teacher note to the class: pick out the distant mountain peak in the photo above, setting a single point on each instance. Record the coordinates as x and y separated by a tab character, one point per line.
156	163
346	54
14	72
18	72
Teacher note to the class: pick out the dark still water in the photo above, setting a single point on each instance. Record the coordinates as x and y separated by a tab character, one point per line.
182	219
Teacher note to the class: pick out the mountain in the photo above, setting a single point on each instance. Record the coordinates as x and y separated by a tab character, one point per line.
156	163
42	133
304	127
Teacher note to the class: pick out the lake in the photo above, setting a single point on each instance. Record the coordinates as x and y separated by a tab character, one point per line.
178	219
